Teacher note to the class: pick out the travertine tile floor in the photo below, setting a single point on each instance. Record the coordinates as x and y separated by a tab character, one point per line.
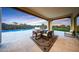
21	42
66	44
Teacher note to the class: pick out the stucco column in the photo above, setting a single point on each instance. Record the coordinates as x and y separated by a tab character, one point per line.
49	26
74	23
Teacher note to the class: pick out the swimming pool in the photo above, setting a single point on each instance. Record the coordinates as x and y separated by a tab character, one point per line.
14	30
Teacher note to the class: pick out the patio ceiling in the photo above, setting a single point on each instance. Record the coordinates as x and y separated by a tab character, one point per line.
51	13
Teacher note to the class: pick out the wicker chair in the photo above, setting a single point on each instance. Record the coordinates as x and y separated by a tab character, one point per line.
36	35
48	35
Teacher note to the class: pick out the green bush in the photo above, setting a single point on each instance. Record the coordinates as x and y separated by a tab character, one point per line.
65	29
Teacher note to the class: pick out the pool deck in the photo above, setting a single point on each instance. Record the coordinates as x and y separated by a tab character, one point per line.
21	41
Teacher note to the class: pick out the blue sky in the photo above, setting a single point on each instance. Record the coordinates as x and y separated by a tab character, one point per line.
13	13
10	15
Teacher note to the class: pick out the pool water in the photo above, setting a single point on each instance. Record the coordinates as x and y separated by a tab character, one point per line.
14	30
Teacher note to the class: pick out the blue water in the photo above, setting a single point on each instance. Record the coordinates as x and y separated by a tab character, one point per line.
14	30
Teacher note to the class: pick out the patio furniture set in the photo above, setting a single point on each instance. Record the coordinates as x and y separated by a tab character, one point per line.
45	34
44	39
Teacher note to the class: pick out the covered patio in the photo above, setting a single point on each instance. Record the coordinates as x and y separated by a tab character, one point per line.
54	13
63	43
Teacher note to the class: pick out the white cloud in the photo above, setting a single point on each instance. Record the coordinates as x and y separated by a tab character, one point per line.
65	21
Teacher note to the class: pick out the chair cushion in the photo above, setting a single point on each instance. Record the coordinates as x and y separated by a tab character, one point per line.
44	34
38	34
